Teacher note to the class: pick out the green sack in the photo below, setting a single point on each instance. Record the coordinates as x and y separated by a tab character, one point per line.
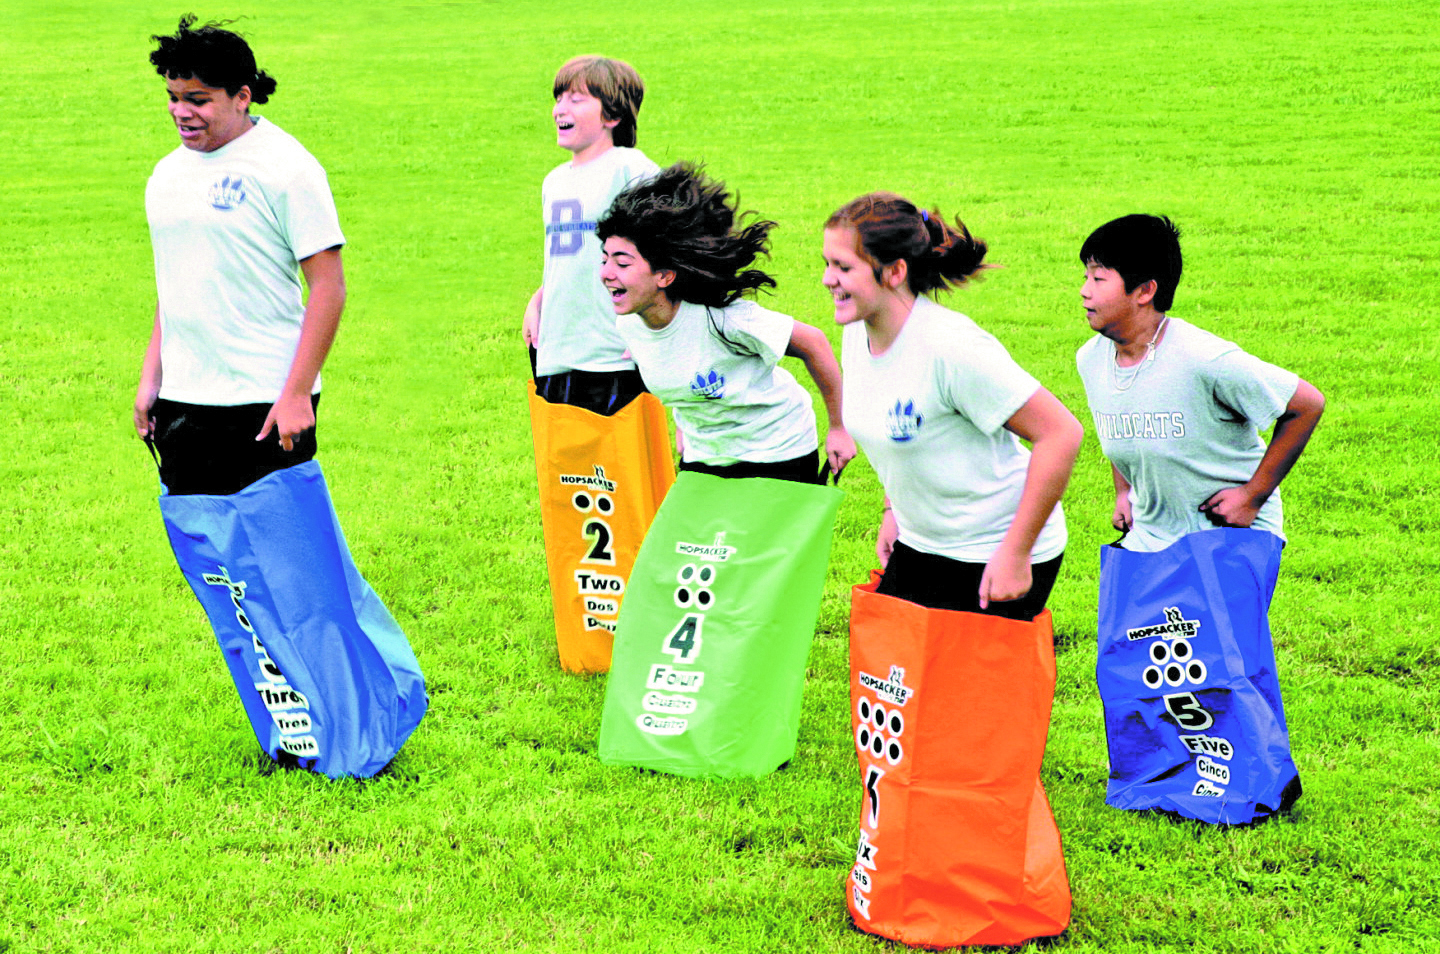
710	647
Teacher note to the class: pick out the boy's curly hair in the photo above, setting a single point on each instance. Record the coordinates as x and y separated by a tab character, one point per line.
213	55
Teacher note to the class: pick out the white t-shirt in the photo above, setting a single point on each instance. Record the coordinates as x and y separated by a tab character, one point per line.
577	322
930	415
730	407
229	229
1183	426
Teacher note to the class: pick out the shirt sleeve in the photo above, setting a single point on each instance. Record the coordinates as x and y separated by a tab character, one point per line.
1249	388
645	168
979	380
306	212
763	332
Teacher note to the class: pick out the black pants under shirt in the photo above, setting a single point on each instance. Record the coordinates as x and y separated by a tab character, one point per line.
802	470
211	449
601	392
942	583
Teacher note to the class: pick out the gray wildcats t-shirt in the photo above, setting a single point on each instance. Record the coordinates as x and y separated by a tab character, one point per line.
1183	426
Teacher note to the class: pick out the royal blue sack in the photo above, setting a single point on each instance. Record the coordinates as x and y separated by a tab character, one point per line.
326	675
1186	671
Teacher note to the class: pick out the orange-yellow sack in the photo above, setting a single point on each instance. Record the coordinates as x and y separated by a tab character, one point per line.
601	480
950	712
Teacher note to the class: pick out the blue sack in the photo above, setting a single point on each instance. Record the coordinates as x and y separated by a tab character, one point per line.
1186	671
326	675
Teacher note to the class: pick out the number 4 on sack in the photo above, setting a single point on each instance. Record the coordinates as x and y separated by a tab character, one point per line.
684	640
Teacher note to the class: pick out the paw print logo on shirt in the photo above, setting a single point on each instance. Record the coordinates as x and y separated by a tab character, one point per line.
228	193
902	422
711	386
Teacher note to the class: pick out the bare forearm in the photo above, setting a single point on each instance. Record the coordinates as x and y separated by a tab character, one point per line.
827	380
317	334
150	370
1292	432
1122	486
530	326
148	389
1054	437
810	345
1052	458
323	308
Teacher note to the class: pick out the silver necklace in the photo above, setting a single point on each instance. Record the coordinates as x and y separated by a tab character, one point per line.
1139	365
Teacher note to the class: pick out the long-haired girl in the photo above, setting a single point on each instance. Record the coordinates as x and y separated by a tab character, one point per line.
677	260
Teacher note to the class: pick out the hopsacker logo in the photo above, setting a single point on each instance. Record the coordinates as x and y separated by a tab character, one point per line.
1175	626
877	736
597	481
892	689
716	552
288	709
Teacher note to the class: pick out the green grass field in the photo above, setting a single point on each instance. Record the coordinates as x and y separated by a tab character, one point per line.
1293	141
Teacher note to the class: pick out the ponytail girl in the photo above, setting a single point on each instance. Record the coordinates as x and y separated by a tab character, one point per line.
972	519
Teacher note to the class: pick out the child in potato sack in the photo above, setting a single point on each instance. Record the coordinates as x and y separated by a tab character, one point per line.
239	211
1179	410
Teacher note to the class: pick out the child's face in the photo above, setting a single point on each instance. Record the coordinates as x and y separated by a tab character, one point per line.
580	123
1108	307
205	116
850	278
634	287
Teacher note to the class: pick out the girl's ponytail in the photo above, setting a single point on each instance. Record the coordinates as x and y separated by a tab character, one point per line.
955	254
890	227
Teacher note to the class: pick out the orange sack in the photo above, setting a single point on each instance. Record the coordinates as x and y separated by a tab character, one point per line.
601	480
950	711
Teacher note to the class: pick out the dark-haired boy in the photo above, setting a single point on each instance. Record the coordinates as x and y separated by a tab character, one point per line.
238	212
578	356
1179	410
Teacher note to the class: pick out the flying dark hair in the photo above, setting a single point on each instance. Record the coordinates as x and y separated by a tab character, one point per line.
891	227
213	55
1140	248
684	221
614	82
